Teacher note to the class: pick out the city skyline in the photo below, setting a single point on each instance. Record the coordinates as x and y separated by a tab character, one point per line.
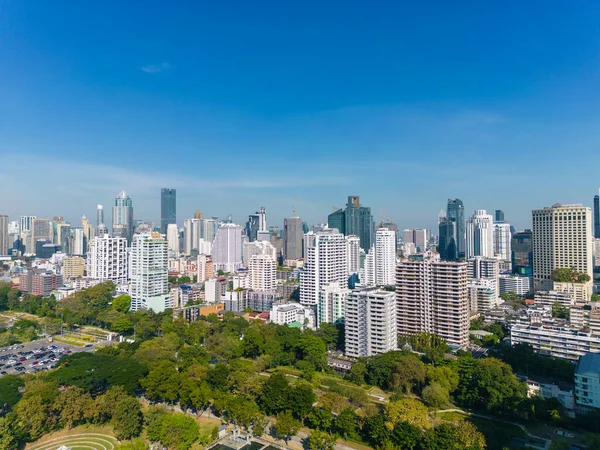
379	109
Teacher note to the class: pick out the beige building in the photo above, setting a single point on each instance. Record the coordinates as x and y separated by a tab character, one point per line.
579	291
432	296
562	238
205	268
73	267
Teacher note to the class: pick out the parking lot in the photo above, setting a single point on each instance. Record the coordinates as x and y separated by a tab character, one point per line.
36	356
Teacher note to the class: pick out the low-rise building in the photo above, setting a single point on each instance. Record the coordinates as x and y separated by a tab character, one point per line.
292	314
194	312
236	300
73	267
547	388
522	286
261	301
39	282
587	382
558	342
549	298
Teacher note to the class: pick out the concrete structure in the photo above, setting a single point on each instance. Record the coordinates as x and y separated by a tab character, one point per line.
78	242
368	275
292	238
502	241
548	298
521	246
148	272
168	208
587	381
3	235
181	296
385	257
88	233
191	235
39	282
107	259
227	248
356	220
26	223
558	342
261	269
173	238
483	295
432	296
546	388
99	216
74	267
370	322
596	216
332	302
256	248
562	238
205	267
261	301
522	286
326	262
214	288
447	239
480	234
417	236
455	212
353	257
293	314
122	211
579	291
236	300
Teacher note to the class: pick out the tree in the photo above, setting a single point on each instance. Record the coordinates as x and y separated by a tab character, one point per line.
560	311
435	395
301	400
163	382
121	303
313	350
286	425
122	325
408	374
35	416
175	431
357	373
74	406
560	444
10	433
509	296
320	419
443	375
318	440
275	394
569	275
9	391
406	436
346	423
408	410
459	436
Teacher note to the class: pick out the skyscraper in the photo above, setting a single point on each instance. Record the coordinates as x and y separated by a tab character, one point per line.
227	248
253	226
480	234
456	213
385	257
3	235
354	219
292	238
173	237
597	216
261	270
25	223
107	259
353	254
41	229
502	240
99	215
447	240
417	236
168	208
123	216
499	215
522	253
149	272
562	238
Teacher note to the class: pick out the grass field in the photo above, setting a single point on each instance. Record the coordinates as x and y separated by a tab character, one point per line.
80	438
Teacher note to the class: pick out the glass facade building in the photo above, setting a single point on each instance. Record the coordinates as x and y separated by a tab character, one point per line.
168	208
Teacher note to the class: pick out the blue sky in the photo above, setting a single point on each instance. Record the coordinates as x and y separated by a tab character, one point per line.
239	104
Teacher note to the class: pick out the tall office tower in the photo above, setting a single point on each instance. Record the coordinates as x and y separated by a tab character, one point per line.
63	232
370	322
168	208
292	238
123	216
499	215
432	296
369	273
332	303
502	240
227	248
353	254
107	259
355	220
88	232
480	234
3	235
99	215
26	223
77	245
209	229
326	262
262	219
407	236
385	257
262	273
456	213
447	240
41	229
254	224
149	272
521	245
597	216
250	249
173	237
484	283
562	238
191	235
205	268
417	236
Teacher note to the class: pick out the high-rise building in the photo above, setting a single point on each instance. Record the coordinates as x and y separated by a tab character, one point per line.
262	273
522	253
257	223
332	303
73	267
251	249
205	268
326	262
168	208
502	240
149	272
484	283
385	257
107	259
227	248
370	322
447	240
292	238
99	215
354	219
432	296
191	235
62	238
353	254
562	238
597	216
77	244
3	235
88	232
499	215
41	229
123	216
480	234
173	237
26	223
456	213
368	276
417	236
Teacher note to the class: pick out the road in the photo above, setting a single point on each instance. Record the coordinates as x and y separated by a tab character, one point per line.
32	363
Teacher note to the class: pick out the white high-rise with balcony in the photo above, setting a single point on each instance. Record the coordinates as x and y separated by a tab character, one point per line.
326	256
353	254
332	303
107	259
149	272
262	273
258	248
173	237
227	248
480	234
385	257
502	241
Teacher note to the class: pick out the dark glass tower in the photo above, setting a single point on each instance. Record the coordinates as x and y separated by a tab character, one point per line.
354	220
522	253
597	216
456	213
499	216
168	208
447	243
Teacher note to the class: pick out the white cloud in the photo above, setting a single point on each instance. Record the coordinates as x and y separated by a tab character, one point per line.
155	68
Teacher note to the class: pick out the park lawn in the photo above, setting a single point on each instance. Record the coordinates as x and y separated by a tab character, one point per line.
82	429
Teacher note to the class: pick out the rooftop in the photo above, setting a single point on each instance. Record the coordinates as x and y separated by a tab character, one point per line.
589	363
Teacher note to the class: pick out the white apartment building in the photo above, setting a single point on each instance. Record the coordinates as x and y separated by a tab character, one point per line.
213	290
332	303
353	254
173	237
480	234
78	246
554	341
148	272
293	314
369	273
326	262
548	298
236	300
521	286
562	238
502	238
370	322
227	248
385	257
256	248
107	259
432	296
191	235
205	268
262	272
483	295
